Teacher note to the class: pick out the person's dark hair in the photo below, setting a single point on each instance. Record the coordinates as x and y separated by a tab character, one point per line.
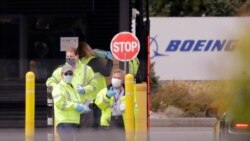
84	50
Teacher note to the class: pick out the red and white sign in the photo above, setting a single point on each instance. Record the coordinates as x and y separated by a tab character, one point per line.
125	46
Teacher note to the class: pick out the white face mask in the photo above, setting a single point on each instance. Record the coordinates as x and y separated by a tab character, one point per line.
116	82
67	78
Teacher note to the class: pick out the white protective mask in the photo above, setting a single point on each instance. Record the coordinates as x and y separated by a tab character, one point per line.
116	82
67	78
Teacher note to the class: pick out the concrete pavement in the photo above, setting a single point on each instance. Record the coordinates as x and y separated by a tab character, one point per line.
183	122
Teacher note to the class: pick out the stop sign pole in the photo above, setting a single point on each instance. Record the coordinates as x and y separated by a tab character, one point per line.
125	46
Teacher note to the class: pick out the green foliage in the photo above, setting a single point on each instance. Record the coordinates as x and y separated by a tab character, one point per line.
199	7
194	98
154	80
220	8
159	8
240	93
239	107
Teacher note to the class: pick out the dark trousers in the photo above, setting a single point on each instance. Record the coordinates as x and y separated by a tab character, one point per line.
92	118
90	121
66	131
116	122
116	130
97	116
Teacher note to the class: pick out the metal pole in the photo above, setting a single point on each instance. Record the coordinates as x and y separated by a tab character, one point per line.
30	106
125	64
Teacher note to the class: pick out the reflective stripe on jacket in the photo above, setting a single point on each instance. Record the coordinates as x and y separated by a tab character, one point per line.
83	75
65	100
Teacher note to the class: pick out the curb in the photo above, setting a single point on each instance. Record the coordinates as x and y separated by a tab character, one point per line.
183	122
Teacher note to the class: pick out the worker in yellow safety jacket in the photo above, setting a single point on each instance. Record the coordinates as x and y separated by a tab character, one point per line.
101	67
83	81
67	105
111	100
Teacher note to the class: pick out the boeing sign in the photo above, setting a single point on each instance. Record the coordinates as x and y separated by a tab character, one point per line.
201	45
195	48
154	48
192	46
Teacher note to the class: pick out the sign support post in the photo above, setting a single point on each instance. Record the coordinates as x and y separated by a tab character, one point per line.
124	47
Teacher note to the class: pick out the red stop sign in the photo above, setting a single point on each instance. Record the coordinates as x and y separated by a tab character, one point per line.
125	46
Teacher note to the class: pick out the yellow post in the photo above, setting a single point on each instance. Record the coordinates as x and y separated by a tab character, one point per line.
129	112
141	118
29	106
217	131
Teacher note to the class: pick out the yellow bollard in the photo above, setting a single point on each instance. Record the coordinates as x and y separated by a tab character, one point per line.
141	118
217	131
129	112
30	106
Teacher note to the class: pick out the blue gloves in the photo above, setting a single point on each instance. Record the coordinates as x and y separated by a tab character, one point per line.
109	55
111	93
80	89
82	108
103	54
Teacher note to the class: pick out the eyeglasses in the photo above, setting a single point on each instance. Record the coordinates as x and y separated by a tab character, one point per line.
68	73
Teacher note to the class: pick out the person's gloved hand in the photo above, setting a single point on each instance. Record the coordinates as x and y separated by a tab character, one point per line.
86	108
80	89
111	93
109	55
80	108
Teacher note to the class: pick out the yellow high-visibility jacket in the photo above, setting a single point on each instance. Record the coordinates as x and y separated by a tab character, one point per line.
65	100
105	104
101	81
83	75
